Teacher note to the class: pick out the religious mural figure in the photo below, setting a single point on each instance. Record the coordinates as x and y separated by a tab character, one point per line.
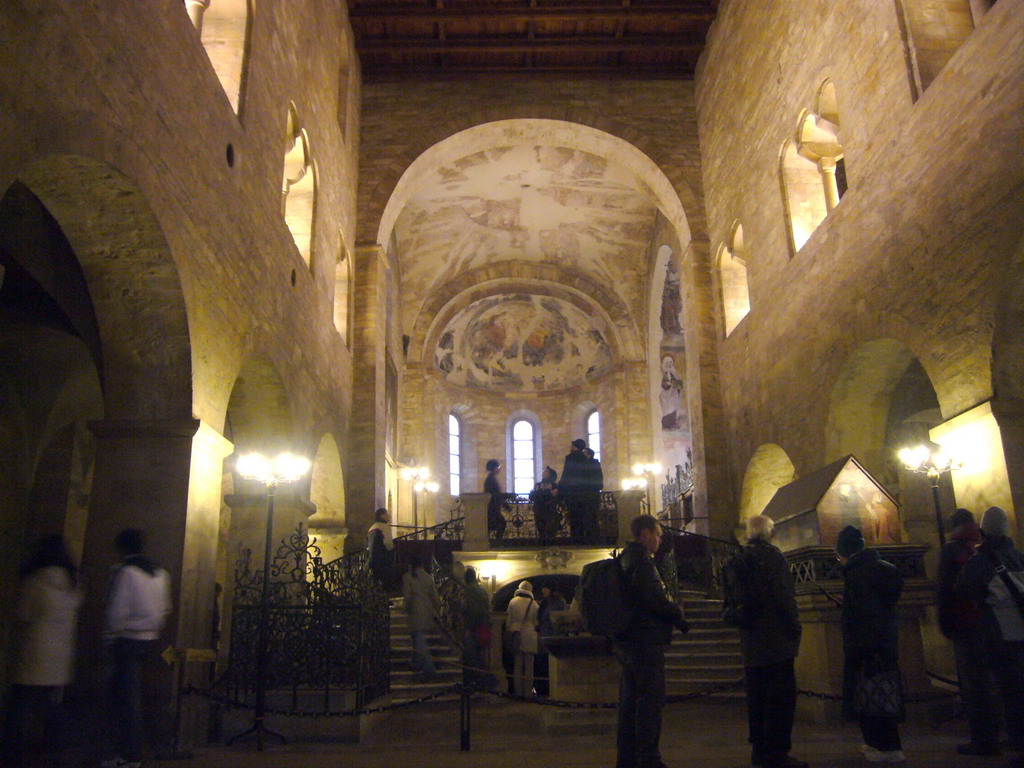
671	397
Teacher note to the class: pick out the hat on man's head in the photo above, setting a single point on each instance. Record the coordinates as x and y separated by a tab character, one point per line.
995	522
850	541
577	443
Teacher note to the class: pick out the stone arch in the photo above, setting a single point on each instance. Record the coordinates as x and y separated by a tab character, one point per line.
224	29
511	277
769	469
861	408
480	136
298	185
132	282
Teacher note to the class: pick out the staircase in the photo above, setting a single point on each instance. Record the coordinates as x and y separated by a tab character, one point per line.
708	655
406	684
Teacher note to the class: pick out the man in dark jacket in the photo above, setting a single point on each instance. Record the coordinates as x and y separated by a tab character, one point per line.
871	590
572	489
1002	642
960	621
770	644
641	649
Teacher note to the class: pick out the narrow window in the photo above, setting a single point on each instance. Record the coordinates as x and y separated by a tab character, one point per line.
522	457
298	187
594	434
732	270
454	455
223	27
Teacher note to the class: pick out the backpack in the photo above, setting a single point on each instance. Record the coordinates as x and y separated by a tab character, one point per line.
1006	600
604	599
739	603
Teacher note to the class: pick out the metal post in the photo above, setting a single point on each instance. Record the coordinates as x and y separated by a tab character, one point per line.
938	509
464	717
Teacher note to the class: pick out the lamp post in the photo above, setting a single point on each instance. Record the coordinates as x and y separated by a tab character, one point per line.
286	468
923	461
648	472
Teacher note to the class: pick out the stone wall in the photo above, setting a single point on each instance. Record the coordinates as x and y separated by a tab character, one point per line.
917	249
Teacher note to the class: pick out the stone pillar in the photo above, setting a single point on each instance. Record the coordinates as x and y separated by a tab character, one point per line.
142	480
1009	415
249	522
713	493
366	487
196	9
827	167
475	533
628	504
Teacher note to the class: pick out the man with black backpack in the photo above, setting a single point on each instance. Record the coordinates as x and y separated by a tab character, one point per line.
994	579
640	648
760	600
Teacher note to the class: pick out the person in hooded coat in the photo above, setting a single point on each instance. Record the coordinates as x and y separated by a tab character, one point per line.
871	590
522	615
1004	656
422	603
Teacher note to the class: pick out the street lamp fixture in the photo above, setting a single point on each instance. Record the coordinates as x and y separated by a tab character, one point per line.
922	460
420	478
634	483
284	469
647	473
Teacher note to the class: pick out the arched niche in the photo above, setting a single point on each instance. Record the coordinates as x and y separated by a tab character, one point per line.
298	186
768	470
732	271
223	27
327	493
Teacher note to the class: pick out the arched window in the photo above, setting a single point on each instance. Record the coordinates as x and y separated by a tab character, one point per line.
342	291
732	270
454	455
935	30
594	434
298	188
223	27
523	455
813	168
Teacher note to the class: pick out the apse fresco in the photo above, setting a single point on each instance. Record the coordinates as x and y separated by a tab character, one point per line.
522	343
527	203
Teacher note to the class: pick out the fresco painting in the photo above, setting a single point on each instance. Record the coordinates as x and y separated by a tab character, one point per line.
522	343
676	440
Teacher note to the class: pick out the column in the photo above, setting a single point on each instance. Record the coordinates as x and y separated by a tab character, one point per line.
141	480
1009	415
366	490
827	167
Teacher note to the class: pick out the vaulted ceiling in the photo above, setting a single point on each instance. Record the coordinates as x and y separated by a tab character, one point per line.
648	38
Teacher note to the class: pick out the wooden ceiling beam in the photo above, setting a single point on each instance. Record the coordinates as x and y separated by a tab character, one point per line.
661	71
476	13
521	45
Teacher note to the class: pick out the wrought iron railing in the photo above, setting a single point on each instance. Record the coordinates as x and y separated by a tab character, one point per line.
699	559
812	566
595	526
436	542
451	615
328	628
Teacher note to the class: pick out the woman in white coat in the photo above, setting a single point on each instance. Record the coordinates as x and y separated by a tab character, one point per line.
522	615
44	641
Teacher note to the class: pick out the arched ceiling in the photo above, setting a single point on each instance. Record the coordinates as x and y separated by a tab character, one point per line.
530	192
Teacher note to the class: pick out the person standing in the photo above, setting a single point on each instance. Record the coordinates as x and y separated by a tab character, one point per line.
592	486
138	604
44	644
521	622
1001	633
573	489
380	547
770	642
871	590
545	511
640	649
477	638
422	603
960	621
492	484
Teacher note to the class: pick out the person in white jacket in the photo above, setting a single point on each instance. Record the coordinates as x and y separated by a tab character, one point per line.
138	603
44	644
522	619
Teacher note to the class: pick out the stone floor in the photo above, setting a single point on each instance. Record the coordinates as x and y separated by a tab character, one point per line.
511	735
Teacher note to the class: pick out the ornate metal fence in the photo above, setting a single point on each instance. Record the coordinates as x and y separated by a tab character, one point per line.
520	529
328	626
699	559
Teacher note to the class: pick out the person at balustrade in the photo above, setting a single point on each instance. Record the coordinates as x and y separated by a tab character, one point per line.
593	484
573	488
545	508
492	484
380	548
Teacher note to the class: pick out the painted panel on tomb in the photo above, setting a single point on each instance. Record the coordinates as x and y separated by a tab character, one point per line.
522	343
